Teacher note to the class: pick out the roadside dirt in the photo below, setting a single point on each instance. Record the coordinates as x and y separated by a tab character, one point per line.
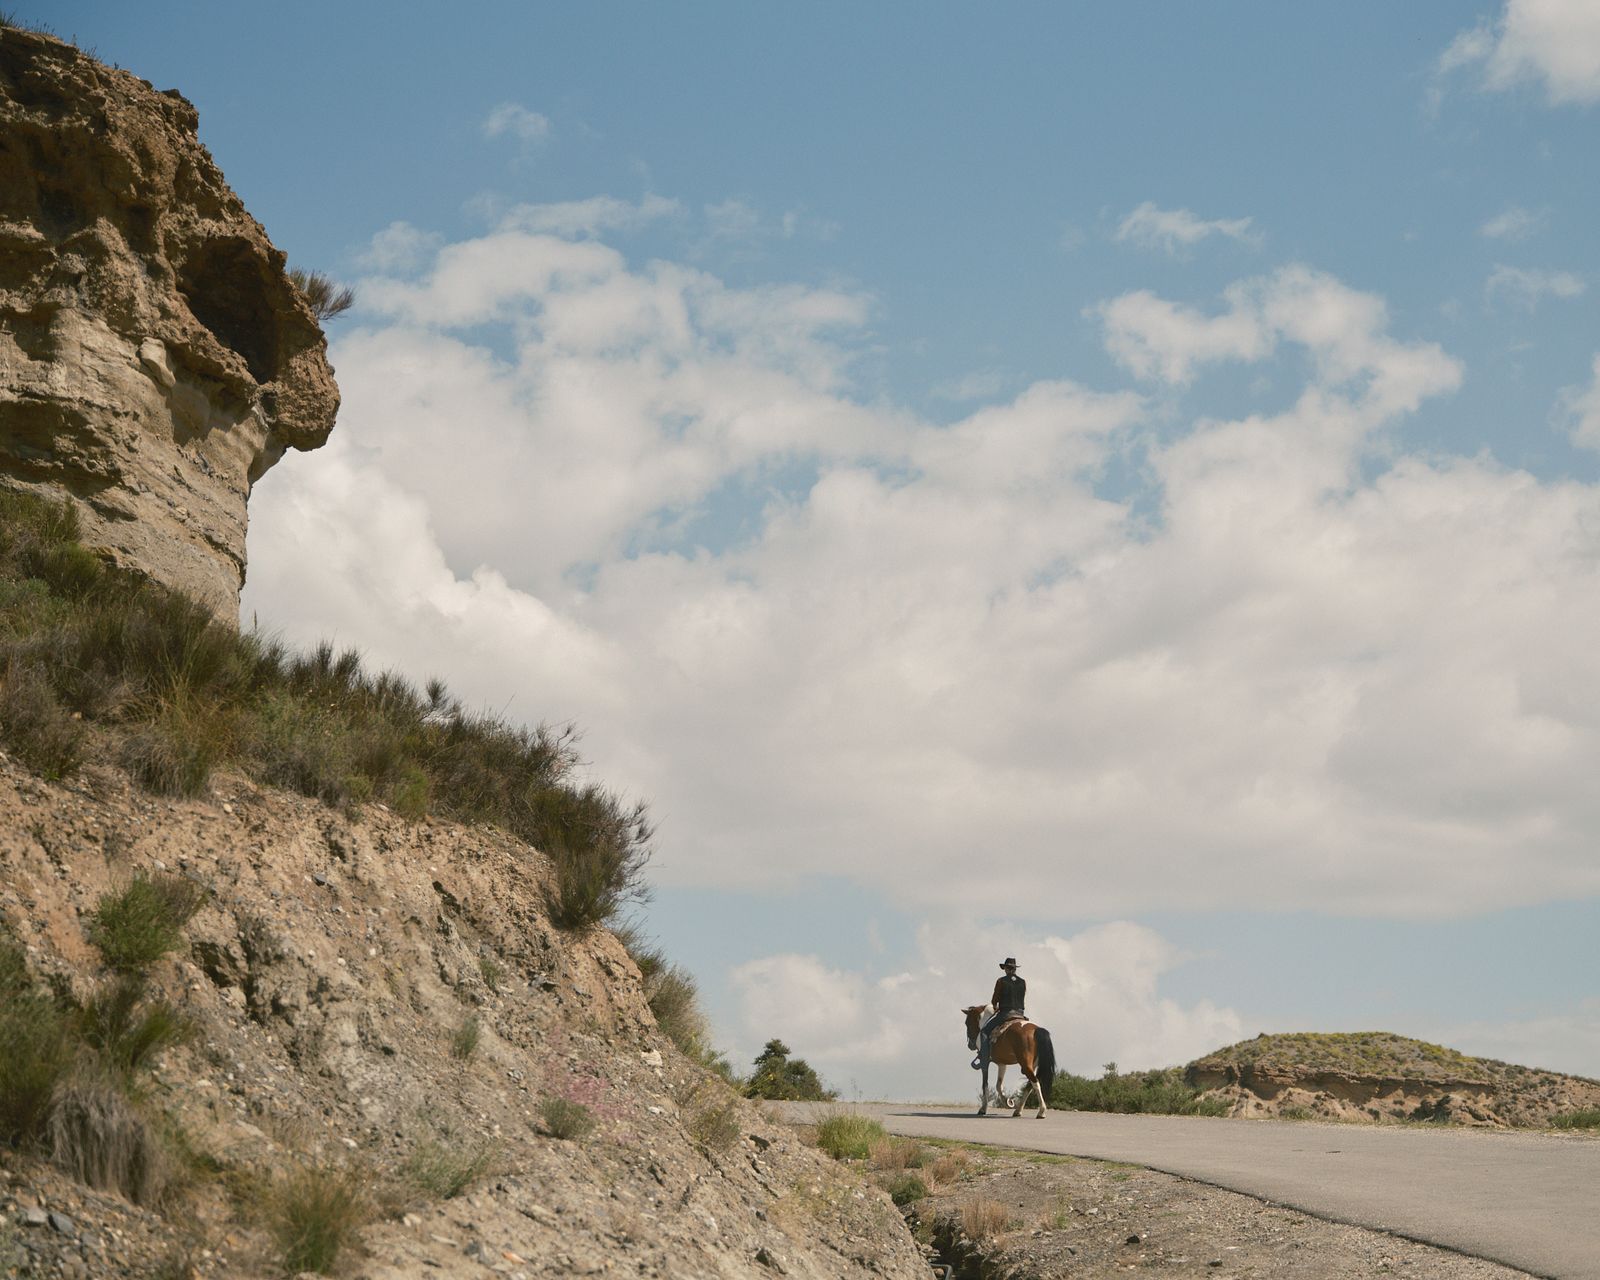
1067	1216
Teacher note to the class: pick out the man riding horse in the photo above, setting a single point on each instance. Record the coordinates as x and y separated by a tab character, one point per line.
1006	1036
1010	992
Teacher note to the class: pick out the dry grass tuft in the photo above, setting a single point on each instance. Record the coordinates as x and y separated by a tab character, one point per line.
714	1124
464	1040
446	1169
565	1119
99	1136
983	1219
897	1153
949	1166
315	1214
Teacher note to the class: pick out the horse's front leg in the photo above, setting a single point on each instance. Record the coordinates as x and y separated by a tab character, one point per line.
983	1092
1000	1083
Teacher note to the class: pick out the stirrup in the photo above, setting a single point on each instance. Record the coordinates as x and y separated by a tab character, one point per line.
977	1063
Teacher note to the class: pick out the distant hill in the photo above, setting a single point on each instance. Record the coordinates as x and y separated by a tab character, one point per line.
1378	1075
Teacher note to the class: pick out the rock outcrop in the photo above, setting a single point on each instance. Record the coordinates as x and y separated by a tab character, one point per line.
155	359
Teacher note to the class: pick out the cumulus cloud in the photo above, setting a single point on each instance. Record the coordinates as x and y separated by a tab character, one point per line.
1343	329
1098	991
513	120
1174	230
829	637
1515	223
1525	287
1555	43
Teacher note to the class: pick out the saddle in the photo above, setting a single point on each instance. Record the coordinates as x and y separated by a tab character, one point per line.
995	1027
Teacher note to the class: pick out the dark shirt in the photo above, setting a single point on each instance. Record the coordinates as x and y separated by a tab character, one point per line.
1009	993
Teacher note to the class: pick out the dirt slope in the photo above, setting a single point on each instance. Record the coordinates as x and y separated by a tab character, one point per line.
330	974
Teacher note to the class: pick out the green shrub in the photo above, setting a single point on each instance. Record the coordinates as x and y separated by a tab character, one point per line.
315	1214
780	1078
124	1029
1588	1118
597	850
1161	1092
445	1171
36	1050
847	1135
563	1118
907	1188
489	969
136	927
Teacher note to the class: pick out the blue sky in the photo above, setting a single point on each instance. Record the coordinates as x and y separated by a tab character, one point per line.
1114	485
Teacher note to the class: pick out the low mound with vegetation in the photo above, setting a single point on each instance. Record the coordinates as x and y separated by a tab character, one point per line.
1379	1053
1378	1075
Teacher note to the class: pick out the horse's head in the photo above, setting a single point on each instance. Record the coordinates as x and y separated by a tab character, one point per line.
973	1014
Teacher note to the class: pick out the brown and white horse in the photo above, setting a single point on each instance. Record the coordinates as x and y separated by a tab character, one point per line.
1019	1042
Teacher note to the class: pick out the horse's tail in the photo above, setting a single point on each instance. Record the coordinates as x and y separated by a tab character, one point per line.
1044	1068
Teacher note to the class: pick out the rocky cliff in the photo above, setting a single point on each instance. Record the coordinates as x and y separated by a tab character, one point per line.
155	359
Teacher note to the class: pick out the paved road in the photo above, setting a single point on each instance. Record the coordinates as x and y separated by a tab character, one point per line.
1527	1200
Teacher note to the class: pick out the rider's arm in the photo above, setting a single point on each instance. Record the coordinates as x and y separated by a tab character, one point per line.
999	984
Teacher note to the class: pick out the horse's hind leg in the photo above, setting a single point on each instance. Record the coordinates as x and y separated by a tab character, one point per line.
1022	1096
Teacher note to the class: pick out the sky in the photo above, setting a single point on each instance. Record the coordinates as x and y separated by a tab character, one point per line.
1111	485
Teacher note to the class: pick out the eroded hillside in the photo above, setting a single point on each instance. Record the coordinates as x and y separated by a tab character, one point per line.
389	998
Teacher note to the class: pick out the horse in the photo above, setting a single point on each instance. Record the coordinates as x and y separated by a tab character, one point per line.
1017	1041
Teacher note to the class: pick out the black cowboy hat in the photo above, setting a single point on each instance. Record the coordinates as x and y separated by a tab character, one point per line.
1010	962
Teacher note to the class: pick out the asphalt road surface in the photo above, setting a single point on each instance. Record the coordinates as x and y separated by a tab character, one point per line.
1527	1200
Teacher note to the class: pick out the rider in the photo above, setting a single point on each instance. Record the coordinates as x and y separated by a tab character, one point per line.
1009	993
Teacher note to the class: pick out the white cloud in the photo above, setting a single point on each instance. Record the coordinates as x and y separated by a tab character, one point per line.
1176	229
825	636
902	1036
1524	287
1342	328
1515	223
588	217
511	119
1552	42
399	249
1580	408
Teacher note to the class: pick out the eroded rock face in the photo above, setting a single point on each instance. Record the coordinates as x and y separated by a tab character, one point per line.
155	360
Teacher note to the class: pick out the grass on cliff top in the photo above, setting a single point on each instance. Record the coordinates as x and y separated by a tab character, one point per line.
94	661
1361	1052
